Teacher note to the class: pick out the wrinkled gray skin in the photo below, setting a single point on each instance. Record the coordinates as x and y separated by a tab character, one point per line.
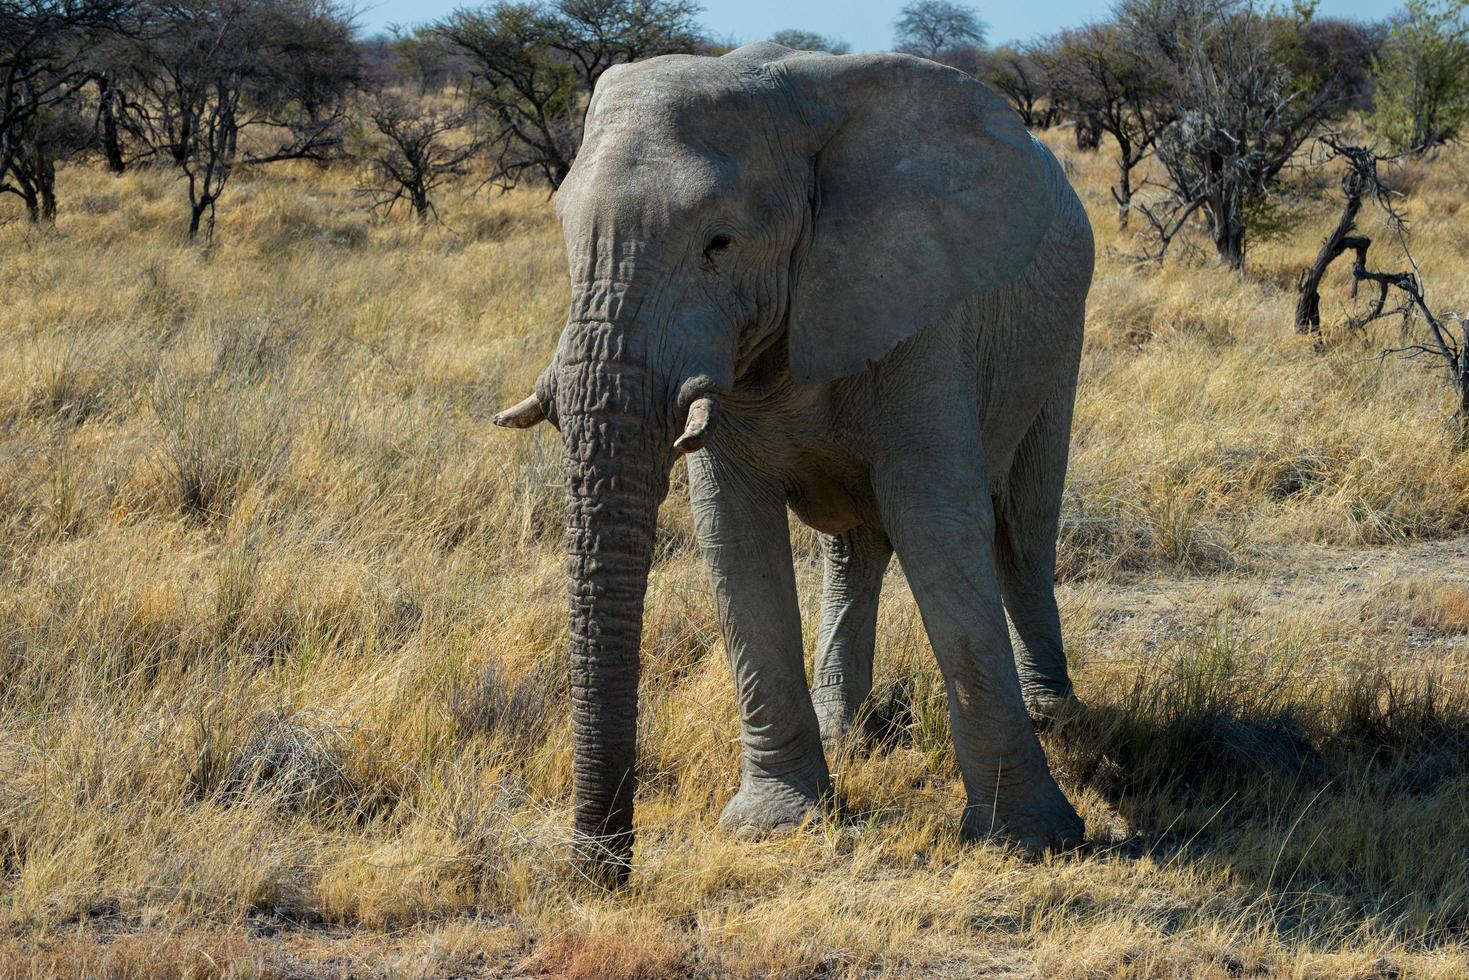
856	286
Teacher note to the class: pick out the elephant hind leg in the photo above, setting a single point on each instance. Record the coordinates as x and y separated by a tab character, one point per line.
855	563
930	482
1027	516
941	524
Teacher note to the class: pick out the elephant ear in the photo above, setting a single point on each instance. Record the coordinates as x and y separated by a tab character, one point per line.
927	189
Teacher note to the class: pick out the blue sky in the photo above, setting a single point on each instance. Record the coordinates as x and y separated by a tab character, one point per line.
865	24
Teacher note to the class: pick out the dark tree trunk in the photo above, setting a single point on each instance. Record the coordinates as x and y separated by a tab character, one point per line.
33	180
47	185
196	216
1459	374
1308	307
107	116
1230	244
1088	131
1123	191
1226	222
616	476
33	205
1461	437
180	151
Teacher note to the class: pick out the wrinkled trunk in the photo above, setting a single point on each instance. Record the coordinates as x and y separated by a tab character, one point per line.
616	476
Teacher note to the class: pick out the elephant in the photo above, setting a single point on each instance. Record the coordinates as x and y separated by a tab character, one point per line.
852	287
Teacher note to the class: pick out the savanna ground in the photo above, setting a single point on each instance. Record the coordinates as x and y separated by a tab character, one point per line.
282	628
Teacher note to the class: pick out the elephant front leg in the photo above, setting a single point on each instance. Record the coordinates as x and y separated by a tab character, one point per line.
855	563
740	518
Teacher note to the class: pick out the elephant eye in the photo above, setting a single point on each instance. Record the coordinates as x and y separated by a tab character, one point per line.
716	245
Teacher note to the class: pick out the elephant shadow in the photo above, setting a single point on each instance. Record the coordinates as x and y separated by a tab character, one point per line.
1312	814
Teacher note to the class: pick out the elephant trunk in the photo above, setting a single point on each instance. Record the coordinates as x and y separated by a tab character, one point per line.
616	463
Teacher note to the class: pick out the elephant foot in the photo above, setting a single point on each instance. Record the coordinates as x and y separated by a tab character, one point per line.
773	804
1049	707
839	723
1036	822
834	719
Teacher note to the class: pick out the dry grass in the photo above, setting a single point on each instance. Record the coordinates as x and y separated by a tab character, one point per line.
281	627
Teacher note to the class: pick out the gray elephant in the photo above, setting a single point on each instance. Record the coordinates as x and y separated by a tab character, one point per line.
852	286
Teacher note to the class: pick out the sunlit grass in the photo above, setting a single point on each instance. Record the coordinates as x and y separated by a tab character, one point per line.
282	630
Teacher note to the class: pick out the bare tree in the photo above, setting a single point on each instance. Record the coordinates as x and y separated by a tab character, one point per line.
44	46
1111	85
1247	98
108	125
50	136
809	41
939	30
534	67
1020	75
531	94
418	150
206	72
1359	176
1362	180
594	35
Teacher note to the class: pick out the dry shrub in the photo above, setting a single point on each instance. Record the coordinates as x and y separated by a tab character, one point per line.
297	759
1229	736
215	446
1452	612
1113	530
1228	706
64	389
124	957
617	954
517	709
1428	604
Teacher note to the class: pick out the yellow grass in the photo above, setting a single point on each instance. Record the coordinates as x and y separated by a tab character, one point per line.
282	630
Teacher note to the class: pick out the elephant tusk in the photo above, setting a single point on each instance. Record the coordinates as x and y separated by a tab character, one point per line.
522	415
700	426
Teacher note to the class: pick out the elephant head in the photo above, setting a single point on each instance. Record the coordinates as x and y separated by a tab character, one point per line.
811	208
